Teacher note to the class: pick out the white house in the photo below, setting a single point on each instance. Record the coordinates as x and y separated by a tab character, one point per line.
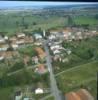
38	43
56	52
18	96
2	40
14	46
20	35
1	58
55	47
39	91
51	37
6	37
37	36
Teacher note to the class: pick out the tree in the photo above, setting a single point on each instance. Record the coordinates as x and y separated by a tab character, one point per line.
70	21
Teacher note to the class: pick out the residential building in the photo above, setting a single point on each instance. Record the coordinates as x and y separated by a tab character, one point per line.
2	40
9	54
26	98
56	51
39	91
1	57
35	59
4	47
20	35
14	46
28	39
18	95
40	52
51	37
81	94
6	37
41	69
20	41
37	36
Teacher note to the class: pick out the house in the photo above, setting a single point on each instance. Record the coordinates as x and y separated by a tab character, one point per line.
40	52
26	98
6	37
4	47
56	51
14	46
29	39
13	39
18	95
72	96
41	69
52	47
37	36
38	43
35	59
2	40
9	54
51	37
56	57
20	35
39	91
81	94
1	57
84	94
54	31
20	41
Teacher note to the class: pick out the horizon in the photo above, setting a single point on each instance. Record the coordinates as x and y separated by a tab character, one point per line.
8	4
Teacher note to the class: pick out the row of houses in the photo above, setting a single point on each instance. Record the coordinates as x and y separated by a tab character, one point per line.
20	39
57	49
14	41
8	55
71	34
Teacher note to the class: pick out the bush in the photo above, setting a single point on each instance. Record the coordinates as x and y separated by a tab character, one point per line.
16	66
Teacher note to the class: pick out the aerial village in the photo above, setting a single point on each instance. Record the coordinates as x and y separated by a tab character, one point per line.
10	52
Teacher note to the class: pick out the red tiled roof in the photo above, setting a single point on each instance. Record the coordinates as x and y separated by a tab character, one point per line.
82	94
72	96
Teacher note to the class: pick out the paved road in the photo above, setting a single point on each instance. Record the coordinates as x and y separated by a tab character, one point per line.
54	88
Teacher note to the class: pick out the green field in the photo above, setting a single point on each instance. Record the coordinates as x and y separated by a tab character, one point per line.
13	22
85	20
82	75
6	93
50	98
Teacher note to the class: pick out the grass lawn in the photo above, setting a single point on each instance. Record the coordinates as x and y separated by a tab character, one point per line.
70	80
6	93
50	98
85	20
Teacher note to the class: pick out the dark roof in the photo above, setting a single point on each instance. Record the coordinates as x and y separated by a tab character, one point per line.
18	93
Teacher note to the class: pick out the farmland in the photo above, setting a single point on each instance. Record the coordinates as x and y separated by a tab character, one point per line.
35	22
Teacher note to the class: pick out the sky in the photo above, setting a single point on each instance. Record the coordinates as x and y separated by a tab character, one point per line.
35	3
